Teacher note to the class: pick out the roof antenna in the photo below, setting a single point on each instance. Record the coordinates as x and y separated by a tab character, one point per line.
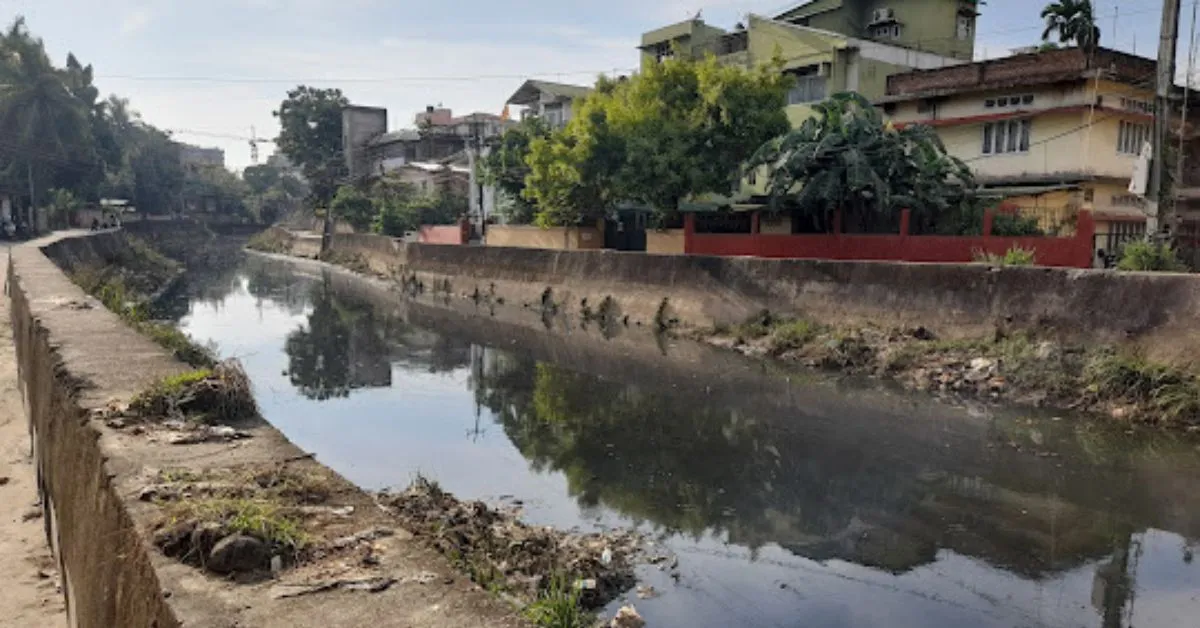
698	15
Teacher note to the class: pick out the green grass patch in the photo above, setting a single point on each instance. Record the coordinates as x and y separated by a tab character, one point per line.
261	519
1170	394
268	242
1150	256
558	607
793	335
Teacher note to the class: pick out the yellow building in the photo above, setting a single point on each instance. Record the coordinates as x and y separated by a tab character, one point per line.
1053	132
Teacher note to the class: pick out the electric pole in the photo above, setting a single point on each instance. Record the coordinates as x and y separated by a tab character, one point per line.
1161	221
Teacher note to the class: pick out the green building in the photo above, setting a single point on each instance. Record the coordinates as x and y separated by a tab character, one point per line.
944	27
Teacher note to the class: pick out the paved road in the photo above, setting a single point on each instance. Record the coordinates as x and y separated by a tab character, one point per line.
29	589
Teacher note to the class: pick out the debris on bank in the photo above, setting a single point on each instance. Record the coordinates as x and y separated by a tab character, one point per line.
1014	367
254	521
500	552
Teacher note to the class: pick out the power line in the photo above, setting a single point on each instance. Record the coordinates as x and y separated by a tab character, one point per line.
394	79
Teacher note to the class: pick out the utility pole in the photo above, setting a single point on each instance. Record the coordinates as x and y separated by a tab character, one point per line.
1162	223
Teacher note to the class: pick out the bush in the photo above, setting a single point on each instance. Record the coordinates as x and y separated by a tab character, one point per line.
1013	225
792	335
1150	256
1015	256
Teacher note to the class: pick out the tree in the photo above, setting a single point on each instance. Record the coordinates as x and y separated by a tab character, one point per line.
261	178
690	125
681	128
354	206
1073	21
311	137
847	158
505	167
43	125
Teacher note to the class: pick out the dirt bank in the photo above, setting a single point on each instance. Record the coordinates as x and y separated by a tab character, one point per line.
31	595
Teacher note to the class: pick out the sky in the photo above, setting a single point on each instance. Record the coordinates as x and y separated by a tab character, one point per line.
212	70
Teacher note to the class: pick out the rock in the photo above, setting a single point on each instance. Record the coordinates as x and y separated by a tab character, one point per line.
627	617
373	534
238	553
31	514
980	369
921	333
646	592
1046	350
4	480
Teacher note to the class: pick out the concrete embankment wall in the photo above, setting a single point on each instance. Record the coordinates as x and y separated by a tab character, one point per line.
1156	312
75	358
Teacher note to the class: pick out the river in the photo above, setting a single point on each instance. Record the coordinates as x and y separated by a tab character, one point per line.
789	500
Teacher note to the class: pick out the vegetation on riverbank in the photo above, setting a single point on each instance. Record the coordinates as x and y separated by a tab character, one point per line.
1017	367
129	284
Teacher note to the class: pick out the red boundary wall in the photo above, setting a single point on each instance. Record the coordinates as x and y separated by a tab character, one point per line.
1072	251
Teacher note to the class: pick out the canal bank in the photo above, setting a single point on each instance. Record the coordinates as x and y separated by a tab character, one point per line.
774	496
1108	343
77	361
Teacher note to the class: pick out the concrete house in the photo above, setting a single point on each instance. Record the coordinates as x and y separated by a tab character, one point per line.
440	141
1053	132
820	61
943	27
551	102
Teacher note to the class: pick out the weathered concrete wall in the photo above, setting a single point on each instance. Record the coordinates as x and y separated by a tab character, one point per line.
1152	311
669	242
529	237
75	357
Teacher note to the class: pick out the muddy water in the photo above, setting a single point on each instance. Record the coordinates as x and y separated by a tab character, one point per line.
788	501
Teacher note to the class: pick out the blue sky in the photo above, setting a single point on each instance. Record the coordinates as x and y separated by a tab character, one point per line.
156	52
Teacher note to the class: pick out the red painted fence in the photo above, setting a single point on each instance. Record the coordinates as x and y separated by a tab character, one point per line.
443	234
1072	251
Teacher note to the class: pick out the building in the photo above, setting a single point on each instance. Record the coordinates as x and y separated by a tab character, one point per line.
439	139
199	157
943	27
552	102
820	62
1053	132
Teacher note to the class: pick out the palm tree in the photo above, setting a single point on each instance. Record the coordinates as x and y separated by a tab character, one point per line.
42	124
1074	21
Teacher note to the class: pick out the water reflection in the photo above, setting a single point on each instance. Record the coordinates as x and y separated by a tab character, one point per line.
779	507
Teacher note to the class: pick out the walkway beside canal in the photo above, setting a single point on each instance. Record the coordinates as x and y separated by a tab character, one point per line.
30	595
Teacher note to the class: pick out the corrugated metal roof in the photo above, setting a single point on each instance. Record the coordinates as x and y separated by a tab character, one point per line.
530	91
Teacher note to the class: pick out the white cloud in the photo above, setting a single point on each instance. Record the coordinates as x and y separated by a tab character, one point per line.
135	21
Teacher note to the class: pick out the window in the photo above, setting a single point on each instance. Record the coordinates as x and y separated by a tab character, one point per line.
553	115
1131	136
1006	136
809	87
966	26
885	31
1008	101
1140	106
752	178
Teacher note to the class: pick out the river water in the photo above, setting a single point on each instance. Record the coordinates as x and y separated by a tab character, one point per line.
788	500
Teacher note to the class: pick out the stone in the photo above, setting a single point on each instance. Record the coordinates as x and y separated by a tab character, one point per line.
980	369
238	553
4	480
1046	350
627	617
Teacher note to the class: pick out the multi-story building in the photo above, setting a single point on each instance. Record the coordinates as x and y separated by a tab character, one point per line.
440	142
944	27
552	102
1053	132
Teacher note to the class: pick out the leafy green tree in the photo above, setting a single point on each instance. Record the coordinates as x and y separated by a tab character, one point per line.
690	124
1074	21
354	206
575	172
261	178
43	126
505	167
846	157
311	137
681	128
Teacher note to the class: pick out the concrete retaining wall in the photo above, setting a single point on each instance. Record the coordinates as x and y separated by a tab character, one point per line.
74	358
530	237
1154	311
